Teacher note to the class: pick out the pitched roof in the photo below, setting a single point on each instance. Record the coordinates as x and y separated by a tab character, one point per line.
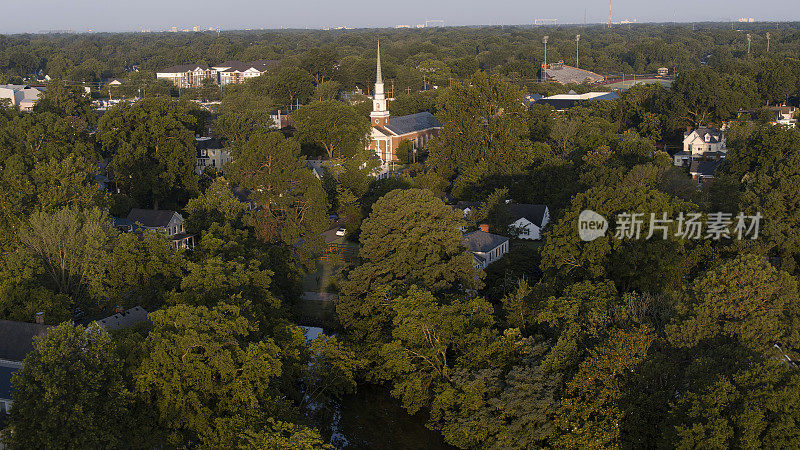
207	143
184	68
124	319
704	168
533	213
234	66
715	134
482	242
411	123
151	218
16	338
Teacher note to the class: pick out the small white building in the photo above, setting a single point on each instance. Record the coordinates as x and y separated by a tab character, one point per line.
702	143
485	247
20	95
527	220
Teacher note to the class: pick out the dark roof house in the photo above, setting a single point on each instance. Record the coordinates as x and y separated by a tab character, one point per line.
152	218
483	242
124	319
533	213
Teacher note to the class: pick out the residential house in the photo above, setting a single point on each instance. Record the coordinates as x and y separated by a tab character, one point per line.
16	341
527	221
485	247
702	143
188	75
777	115
20	95
702	171
163	221
210	153
123	318
388	132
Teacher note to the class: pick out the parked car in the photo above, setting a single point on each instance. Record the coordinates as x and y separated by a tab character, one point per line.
341	231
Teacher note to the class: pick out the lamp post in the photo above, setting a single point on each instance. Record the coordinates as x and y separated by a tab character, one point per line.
577	50
544	66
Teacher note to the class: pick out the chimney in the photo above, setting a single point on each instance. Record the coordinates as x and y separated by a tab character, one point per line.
39	317
485	227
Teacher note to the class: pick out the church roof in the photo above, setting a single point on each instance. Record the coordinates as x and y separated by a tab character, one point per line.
412	123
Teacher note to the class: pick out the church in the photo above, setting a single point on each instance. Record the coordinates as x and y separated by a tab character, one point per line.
388	131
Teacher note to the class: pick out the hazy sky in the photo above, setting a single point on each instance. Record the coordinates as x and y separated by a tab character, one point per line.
134	15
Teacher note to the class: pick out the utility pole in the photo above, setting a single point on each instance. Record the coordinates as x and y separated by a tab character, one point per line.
610	12
768	38
749	40
577	50
544	66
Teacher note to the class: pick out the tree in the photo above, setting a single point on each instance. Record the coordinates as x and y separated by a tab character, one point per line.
290	85
746	299
154	149
333	125
293	206
72	245
70	393
406	152
217	204
412	237
200	367
484	123
141	269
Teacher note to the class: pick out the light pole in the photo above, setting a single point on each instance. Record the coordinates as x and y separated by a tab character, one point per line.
544	66
577	50
768	37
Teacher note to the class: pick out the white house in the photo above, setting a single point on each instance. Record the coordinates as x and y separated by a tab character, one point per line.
210	153
19	95
702	143
485	247
527	221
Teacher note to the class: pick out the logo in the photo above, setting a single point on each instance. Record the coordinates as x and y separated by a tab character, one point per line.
591	225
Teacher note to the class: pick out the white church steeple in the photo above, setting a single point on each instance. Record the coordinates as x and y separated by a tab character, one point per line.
380	110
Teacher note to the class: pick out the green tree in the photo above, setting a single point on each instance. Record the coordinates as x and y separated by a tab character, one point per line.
406	152
333	125
217	204
70	393
72	245
293	205
200	367
154	150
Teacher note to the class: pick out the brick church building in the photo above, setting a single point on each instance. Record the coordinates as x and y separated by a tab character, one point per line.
388	131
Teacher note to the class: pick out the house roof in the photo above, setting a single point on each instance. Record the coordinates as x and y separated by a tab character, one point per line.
207	143
184	68
704	168
151	218
16	338
533	213
564	101
715	134
412	123
483	242
124	319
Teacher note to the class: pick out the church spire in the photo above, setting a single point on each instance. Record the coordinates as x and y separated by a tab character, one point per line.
379	78
380	110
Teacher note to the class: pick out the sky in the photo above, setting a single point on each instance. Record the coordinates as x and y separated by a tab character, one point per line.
157	15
